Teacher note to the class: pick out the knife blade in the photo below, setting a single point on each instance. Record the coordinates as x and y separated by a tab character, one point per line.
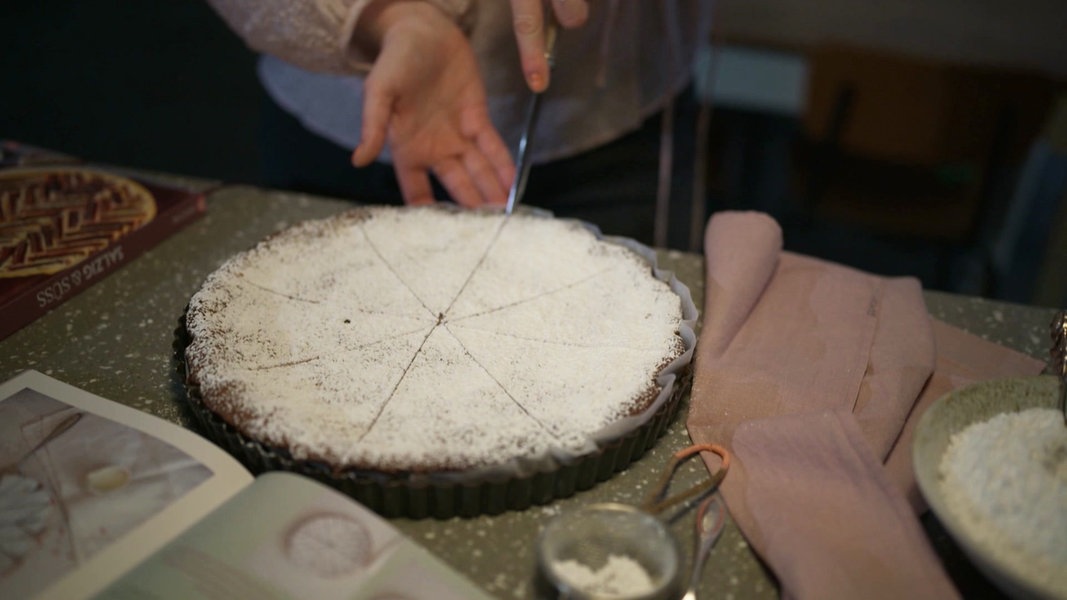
522	160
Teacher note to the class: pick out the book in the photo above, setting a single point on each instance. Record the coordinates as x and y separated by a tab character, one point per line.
64	226
98	499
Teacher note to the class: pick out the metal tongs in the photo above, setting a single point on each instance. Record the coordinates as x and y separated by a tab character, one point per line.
1058	365
522	161
711	513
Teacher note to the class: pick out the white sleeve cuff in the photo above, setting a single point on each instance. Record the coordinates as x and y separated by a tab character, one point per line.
348	12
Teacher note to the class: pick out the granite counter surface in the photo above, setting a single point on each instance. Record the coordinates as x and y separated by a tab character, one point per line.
115	340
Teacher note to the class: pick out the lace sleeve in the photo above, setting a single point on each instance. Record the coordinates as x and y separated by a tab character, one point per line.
312	34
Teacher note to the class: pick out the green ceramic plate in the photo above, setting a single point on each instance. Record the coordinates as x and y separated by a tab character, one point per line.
952	413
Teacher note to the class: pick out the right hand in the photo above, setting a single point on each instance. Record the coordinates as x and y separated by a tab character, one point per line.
528	19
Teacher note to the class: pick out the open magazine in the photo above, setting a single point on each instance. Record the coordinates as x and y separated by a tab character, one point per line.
101	500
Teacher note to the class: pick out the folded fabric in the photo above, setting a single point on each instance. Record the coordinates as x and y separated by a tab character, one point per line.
808	370
831	523
962	359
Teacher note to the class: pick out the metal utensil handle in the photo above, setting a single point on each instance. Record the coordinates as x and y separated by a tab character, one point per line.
656	503
706	537
551	32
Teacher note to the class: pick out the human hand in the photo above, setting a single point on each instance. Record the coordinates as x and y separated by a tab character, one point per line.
528	18
424	96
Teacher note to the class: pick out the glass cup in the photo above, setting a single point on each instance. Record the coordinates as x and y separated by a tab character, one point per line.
608	551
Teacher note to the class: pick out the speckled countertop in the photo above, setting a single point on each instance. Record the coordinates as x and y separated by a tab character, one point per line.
115	340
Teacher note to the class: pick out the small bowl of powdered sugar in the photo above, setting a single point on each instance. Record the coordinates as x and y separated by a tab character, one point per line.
991	461
608	551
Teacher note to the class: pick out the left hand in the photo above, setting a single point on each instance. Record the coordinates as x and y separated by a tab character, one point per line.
425	96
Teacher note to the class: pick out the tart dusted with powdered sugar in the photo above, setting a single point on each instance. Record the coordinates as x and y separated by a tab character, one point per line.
434	340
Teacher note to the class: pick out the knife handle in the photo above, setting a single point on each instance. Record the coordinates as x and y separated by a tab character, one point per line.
551	32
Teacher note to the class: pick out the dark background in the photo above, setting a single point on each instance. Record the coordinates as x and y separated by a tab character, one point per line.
160	85
165	85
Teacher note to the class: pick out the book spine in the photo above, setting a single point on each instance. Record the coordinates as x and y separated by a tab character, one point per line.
64	285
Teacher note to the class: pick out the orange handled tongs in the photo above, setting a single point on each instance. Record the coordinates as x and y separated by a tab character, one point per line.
711	514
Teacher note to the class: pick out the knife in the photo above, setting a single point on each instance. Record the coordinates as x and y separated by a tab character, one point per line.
522	163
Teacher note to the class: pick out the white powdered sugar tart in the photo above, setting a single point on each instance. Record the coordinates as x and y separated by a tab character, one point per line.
433	346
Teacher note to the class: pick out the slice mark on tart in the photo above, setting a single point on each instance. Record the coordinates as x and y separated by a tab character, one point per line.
434	263
476	269
344	350
456	364
266	329
567	316
382	406
525	263
353	304
577	373
283	294
533	297
330	281
446	437
311	408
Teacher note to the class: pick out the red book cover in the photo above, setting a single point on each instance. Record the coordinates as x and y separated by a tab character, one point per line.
65	226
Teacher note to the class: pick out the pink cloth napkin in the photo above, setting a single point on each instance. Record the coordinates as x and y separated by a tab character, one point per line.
808	371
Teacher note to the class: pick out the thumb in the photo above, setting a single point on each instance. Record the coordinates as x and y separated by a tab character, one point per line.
571	13
372	137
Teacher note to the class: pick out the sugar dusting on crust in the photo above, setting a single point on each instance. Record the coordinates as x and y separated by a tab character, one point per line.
389	339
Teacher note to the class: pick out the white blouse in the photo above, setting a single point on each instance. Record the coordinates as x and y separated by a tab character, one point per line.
623	65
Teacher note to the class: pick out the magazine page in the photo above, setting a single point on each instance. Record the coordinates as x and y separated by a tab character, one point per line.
288	536
89	487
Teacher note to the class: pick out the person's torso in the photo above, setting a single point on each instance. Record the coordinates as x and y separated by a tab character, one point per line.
623	65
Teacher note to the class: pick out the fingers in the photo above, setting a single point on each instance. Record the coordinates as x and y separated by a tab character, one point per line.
471	181
528	20
487	142
498	156
491	190
367	150
376	110
459	183
477	172
571	13
414	185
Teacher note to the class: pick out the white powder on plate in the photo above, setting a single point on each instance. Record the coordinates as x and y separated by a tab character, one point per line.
620	577
1005	480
